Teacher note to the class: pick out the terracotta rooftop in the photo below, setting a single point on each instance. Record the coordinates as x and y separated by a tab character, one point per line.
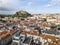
13	31
4	37
3	33
23	33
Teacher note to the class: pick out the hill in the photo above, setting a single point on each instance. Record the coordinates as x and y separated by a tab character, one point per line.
22	14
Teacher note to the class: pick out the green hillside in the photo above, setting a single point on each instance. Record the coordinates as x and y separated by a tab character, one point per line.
22	14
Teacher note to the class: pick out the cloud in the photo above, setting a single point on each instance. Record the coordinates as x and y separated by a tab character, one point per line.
6	9
49	5
56	0
52	3
3	2
7	12
30	3
8	6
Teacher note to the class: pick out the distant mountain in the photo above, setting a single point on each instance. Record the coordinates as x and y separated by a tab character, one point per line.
21	13
5	15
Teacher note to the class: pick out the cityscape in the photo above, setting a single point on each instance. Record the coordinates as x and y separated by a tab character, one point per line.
28	25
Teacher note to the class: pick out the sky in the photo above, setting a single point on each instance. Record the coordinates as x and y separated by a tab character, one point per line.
31	6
